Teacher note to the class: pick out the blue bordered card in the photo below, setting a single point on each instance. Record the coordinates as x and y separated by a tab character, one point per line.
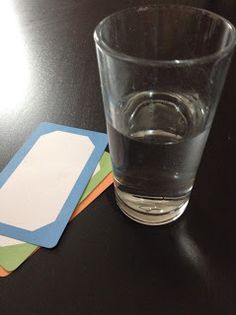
42	184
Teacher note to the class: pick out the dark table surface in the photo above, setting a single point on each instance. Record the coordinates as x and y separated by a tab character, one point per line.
105	263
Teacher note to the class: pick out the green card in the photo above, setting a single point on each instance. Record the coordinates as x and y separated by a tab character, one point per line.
102	170
12	256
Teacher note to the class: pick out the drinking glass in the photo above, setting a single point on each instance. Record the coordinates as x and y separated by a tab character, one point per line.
162	69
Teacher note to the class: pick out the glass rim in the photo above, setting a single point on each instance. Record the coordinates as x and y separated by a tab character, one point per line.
168	62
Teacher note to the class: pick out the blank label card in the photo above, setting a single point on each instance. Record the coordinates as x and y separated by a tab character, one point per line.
42	184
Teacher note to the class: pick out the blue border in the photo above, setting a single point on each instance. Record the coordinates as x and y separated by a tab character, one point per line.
49	235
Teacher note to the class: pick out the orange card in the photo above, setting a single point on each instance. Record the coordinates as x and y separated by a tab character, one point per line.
3	272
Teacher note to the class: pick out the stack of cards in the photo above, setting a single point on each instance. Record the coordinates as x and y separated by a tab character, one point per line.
51	179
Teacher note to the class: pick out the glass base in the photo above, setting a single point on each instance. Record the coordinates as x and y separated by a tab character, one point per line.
151	211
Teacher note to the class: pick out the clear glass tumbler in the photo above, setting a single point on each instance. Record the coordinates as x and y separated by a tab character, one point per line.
162	69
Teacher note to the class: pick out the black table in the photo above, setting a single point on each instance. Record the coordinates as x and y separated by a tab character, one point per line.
105	263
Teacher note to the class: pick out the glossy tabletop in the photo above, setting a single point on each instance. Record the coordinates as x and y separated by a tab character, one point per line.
105	263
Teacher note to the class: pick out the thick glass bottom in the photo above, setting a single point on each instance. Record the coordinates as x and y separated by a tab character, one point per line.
151	211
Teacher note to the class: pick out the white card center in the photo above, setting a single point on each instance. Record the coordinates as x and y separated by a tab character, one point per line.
8	241
35	193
